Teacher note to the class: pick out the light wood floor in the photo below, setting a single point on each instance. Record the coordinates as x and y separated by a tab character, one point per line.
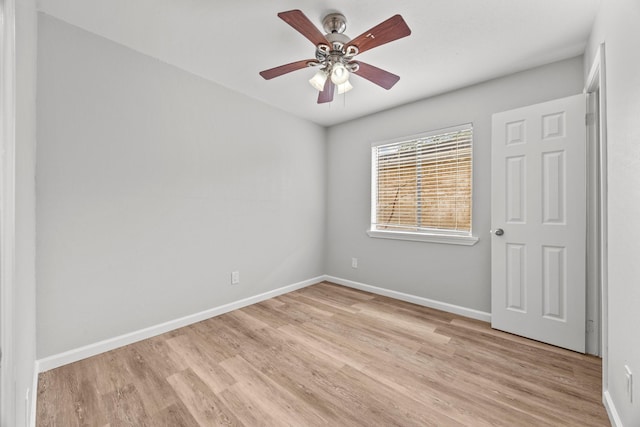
328	356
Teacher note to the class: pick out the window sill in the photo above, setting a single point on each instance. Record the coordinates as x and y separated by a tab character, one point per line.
424	237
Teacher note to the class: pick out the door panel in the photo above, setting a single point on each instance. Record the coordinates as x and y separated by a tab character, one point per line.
516	190
539	201
553	188
516	277
554	285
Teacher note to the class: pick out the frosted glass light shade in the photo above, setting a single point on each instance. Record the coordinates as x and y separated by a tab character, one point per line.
344	87
318	80
339	74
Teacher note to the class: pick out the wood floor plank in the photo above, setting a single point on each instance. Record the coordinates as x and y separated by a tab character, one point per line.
246	410
310	389
404	409
403	308
406	325
206	367
201	402
111	371
265	315
175	415
333	289
326	355
308	376
149	375
327	348
68	388
215	342
267	394
320	305
245	319
124	407
308	305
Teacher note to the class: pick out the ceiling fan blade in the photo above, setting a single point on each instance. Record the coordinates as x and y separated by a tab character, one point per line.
287	68
392	29
376	75
304	26
327	93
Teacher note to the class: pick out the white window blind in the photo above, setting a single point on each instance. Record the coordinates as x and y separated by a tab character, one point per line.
423	184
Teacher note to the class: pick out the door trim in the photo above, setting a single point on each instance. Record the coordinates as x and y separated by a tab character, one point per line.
7	208
596	81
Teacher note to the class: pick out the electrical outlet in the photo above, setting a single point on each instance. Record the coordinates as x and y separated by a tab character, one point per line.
629	377
235	277
354	262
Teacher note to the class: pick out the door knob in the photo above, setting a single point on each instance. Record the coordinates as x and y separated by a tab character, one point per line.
499	232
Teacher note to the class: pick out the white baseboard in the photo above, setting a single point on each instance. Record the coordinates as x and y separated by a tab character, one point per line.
614	418
77	354
426	302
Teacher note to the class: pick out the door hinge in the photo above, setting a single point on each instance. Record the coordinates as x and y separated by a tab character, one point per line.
589	119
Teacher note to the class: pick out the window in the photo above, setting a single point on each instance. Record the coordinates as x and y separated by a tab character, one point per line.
421	187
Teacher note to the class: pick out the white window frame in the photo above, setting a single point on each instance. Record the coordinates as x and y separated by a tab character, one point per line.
432	236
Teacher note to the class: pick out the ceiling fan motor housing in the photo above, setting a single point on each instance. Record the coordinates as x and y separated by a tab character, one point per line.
334	23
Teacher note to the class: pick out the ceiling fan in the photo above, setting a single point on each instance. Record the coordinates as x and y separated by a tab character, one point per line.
335	52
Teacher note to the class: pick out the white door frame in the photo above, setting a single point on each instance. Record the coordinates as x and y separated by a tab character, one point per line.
593	246
596	82
7	208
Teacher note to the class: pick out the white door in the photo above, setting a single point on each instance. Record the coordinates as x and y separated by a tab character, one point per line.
538	207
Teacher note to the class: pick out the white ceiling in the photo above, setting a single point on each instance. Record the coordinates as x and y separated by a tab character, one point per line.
454	43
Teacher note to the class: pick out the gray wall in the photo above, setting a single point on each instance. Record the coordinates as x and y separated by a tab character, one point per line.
24	308
617	26
457	275
153	185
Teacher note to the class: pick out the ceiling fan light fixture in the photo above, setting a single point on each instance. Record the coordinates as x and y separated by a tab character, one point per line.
344	87
339	73
318	80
